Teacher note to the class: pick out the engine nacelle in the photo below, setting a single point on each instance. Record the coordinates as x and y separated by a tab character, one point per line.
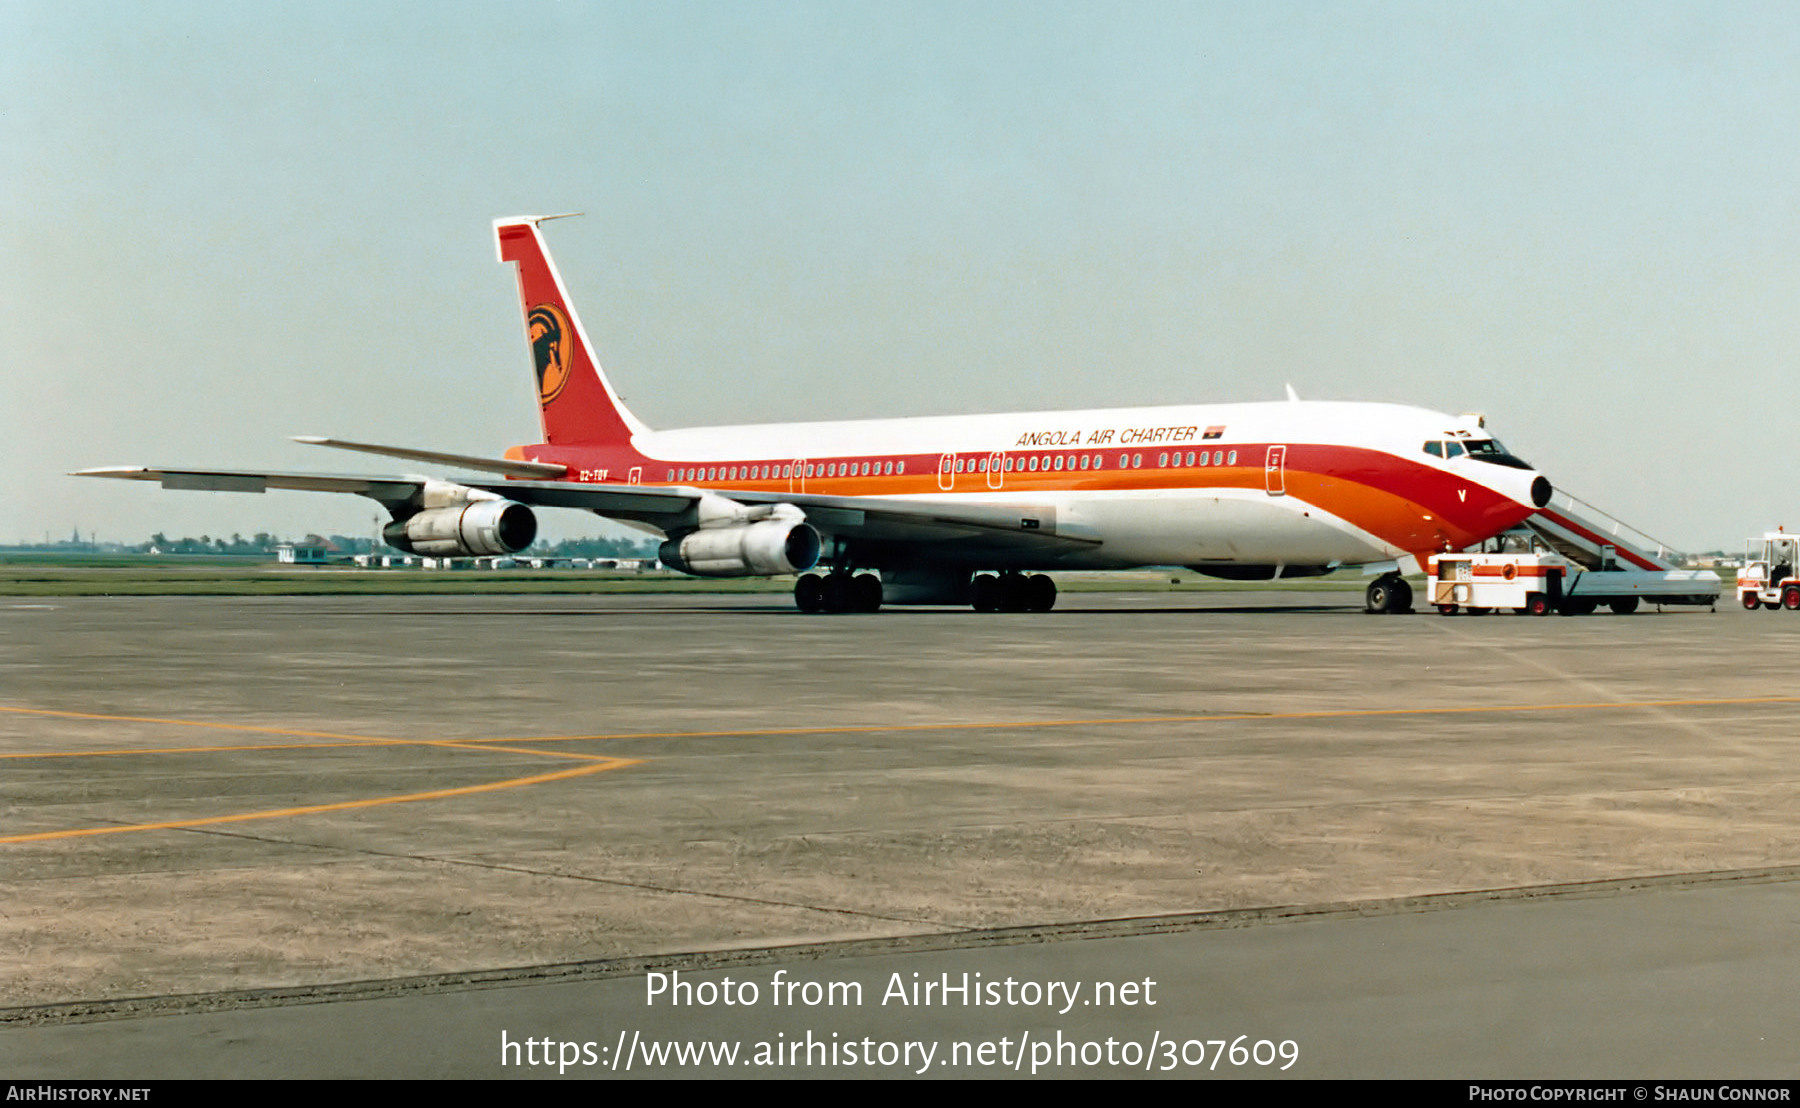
773	546
476	528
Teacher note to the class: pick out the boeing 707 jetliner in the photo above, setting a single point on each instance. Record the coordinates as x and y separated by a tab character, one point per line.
949	509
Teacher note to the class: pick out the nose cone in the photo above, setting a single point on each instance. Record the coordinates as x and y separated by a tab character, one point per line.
1540	491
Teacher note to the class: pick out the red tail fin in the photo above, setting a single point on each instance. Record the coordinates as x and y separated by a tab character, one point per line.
576	401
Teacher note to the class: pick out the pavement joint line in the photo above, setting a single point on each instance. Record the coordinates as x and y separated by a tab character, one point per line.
95	1011
854	729
529	871
1124	721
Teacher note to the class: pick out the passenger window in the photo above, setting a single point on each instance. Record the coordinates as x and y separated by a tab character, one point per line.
1203	458
1137	460
1059	463
1232	459
1124	461
900	467
1034	465
1009	465
1086	461
1162	460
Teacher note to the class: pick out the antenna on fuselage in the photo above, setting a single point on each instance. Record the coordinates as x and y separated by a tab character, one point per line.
1292	395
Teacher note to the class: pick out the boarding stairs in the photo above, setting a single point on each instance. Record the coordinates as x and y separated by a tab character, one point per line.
1588	536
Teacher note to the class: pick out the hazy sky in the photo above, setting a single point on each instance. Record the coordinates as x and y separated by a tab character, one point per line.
223	224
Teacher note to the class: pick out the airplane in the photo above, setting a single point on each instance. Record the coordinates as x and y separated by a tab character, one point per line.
966	509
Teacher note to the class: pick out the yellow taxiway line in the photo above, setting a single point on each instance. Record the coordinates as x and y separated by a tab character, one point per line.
599	764
590	764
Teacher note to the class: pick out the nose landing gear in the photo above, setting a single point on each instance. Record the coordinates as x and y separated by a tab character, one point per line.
1389	593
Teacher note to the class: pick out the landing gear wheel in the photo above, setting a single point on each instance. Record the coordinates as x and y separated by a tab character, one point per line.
809	593
1750	602
1039	593
1623	606
1012	592
1389	593
837	592
865	593
985	592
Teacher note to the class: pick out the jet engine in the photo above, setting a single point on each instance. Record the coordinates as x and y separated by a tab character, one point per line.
773	546
731	539
474	528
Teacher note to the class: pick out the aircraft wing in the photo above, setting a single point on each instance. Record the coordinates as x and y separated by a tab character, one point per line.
505	467
967	528
390	491
865	519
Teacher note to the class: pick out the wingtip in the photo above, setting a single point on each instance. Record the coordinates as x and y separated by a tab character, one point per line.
109	471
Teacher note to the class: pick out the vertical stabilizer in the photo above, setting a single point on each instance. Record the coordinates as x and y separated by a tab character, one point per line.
577	403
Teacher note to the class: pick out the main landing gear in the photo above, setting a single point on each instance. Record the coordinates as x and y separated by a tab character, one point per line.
1012	592
1389	593
845	591
838	592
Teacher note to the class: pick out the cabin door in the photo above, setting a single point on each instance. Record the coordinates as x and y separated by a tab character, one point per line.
1275	471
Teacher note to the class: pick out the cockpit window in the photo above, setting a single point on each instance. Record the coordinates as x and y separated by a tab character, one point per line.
1434	448
1490	450
1453	449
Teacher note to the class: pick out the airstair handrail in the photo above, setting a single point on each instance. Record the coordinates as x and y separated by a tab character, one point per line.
1614	526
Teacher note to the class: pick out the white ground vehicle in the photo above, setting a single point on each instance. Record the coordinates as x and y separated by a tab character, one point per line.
1536	581
1767	578
1479	583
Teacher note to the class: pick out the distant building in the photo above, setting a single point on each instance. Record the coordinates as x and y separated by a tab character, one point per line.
301	554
